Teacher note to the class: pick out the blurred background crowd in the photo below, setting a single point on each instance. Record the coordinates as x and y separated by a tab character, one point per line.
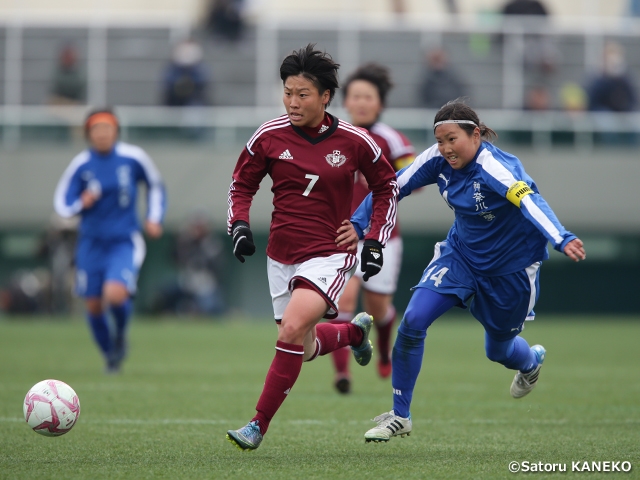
190	80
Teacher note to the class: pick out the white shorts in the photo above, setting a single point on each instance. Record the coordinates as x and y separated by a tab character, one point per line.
386	281
326	275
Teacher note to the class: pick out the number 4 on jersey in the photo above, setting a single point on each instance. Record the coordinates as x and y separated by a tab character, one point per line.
314	179
436	277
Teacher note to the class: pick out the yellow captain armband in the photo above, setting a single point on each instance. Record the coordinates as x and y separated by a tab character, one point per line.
517	192
400	163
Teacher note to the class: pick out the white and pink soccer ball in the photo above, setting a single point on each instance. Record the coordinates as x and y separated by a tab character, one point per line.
51	408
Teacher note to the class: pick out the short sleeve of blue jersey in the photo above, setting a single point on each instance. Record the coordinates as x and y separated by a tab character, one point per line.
423	171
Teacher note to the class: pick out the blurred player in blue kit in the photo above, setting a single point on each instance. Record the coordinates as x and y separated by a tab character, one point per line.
101	185
489	262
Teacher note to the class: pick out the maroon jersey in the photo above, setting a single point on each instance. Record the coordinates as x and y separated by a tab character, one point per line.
312	186
396	148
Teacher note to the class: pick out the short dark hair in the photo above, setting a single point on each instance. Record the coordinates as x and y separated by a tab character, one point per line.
314	65
374	73
458	110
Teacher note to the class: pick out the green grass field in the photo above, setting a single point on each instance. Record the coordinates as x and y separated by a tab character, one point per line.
187	382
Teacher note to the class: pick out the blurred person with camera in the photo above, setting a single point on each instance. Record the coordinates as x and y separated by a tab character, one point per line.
101	186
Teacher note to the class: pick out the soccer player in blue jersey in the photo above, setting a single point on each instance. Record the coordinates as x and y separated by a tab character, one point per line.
101	185
489	262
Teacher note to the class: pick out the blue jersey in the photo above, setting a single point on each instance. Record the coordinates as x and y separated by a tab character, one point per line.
502	223
115	177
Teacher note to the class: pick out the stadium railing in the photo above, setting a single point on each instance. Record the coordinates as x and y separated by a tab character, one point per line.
542	125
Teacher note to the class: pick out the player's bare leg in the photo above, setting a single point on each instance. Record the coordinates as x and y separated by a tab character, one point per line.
340	357
380	307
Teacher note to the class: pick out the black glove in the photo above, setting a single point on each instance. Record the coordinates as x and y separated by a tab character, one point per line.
371	259
242	240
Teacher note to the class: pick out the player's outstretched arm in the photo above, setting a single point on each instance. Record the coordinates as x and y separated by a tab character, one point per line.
575	250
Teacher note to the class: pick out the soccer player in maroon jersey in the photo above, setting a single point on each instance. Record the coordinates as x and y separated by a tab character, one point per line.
312	157
365	93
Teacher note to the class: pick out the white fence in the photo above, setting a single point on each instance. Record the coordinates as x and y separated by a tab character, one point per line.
227	121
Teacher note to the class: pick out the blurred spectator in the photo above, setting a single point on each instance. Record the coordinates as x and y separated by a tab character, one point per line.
186	79
440	83
58	246
225	19
612	90
196	289
452	6
524	7
541	56
69	84
537	98
634	8
26	292
573	97
398	7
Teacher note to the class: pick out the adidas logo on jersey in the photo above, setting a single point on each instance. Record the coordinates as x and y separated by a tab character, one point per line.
286	155
323	129
287	391
375	255
323	279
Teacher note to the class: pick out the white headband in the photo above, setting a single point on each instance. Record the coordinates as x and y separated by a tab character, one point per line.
470	122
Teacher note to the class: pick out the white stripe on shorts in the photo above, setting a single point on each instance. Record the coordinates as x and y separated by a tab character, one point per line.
532	273
340	280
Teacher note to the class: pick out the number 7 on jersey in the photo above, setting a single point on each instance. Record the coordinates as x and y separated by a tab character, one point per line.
314	179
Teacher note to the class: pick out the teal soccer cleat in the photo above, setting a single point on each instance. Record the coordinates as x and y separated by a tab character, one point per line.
247	437
364	352
523	383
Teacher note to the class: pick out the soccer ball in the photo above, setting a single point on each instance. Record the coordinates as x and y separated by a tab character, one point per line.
51	408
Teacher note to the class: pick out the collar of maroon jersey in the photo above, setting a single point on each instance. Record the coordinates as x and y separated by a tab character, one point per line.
322	136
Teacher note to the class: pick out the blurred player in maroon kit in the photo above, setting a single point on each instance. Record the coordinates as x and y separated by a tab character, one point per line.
312	157
365	93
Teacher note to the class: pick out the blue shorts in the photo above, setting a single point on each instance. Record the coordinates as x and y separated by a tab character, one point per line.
501	304
99	261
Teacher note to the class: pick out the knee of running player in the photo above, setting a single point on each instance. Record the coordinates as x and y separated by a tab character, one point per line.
497	351
514	353
115	293
412	331
94	306
292	330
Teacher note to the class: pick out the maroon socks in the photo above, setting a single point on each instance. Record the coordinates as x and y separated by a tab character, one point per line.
281	377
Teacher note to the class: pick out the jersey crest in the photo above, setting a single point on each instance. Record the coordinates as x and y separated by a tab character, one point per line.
335	159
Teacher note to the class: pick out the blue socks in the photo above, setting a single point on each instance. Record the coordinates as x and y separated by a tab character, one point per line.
121	314
514	354
406	361
100	330
424	307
